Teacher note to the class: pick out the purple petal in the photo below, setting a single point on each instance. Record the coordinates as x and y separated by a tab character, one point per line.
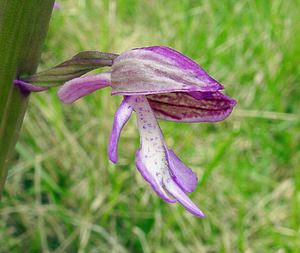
121	117
153	160
191	107
153	180
82	86
187	64
28	87
158	69
183	199
181	174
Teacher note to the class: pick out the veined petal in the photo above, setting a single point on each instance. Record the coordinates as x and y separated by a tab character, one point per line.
191	107
121	117
82	86
181	174
158	69
153	159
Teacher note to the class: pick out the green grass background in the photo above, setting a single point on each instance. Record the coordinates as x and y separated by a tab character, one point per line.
62	193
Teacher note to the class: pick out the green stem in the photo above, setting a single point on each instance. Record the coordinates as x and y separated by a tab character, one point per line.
23	27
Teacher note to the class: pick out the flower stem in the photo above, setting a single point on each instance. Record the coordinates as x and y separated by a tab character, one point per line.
23	27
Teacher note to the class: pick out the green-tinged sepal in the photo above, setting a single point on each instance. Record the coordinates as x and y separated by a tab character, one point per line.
77	66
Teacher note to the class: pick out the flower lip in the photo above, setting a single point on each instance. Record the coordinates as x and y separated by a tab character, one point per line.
160	167
159	189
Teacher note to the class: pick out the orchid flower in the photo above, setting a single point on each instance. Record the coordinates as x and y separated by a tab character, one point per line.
157	83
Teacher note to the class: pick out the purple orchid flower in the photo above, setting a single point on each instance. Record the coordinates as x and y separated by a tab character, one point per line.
157	83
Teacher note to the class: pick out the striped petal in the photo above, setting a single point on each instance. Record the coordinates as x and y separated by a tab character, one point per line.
191	107
121	117
82	86
158	69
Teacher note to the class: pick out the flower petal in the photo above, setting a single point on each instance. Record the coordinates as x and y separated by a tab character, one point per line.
158	69
82	86
181	174
191	107
121	117
28	87
182	198
155	180
153	160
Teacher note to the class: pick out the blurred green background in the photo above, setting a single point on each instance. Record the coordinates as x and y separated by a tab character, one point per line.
62	193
